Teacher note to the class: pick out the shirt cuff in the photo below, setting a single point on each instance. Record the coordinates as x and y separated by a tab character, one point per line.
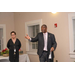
30	39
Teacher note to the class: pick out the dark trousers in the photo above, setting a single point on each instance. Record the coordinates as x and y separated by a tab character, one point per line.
44	57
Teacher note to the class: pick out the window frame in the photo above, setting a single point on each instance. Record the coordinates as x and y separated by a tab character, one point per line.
4	34
71	16
35	43
31	23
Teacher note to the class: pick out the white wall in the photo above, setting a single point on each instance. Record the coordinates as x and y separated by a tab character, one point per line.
7	18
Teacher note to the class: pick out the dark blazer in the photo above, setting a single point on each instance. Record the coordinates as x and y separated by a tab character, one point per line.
11	45
51	43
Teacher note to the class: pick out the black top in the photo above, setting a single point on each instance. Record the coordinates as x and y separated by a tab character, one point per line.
11	47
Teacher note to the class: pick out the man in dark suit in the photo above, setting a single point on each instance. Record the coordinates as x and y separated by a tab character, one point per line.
46	44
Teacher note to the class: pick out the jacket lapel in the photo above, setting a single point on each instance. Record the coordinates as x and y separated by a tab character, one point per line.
43	37
48	40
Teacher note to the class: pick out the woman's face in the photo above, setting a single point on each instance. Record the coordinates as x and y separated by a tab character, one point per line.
13	36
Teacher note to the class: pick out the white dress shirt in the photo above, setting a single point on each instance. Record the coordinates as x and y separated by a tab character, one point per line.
45	35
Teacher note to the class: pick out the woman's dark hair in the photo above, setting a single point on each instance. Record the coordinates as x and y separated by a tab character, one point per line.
13	32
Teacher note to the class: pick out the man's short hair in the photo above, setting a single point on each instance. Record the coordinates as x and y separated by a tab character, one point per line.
44	25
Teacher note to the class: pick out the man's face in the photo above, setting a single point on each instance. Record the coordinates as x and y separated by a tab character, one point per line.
43	29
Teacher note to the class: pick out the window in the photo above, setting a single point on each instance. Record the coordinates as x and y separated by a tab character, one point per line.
32	28
33	31
71	20
2	37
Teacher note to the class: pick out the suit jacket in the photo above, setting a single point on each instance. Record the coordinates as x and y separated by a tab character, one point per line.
50	43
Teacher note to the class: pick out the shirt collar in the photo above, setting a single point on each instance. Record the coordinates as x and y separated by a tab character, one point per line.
45	33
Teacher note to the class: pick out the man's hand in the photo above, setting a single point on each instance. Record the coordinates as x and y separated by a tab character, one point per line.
27	37
52	49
